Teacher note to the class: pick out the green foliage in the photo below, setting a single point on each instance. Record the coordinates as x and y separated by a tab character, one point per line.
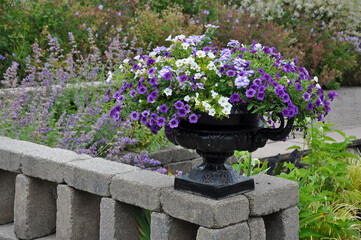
329	186
143	218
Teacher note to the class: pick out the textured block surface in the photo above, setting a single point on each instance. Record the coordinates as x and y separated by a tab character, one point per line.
271	195
238	231
174	154
35	207
117	220
257	228
49	163
204	211
7	196
78	214
282	225
94	175
140	188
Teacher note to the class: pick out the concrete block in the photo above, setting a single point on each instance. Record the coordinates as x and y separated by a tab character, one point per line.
257	228
185	167
48	164
78	214
117	220
140	188
12	152
164	227
204	211
35	207
237	231
271	195
283	225
7	196
7	232
94	175
174	154
50	237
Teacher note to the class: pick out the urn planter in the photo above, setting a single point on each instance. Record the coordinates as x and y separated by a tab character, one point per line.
216	140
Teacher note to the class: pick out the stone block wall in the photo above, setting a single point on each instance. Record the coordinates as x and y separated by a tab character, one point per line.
48	193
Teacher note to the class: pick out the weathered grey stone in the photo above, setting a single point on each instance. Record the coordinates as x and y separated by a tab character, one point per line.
204	211
140	188
35	207
48	164
117	220
238	231
7	232
196	162
94	175
78	214
185	167
271	195
12	152
174	154
164	227
283	225
51	237
7	195
257	228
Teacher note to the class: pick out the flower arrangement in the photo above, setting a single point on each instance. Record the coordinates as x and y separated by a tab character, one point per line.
192	76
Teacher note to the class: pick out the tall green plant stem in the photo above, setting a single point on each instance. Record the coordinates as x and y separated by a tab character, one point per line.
249	165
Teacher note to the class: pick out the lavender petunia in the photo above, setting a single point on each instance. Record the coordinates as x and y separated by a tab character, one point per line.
260	95
306	96
250	93
231	73
173	123
151	71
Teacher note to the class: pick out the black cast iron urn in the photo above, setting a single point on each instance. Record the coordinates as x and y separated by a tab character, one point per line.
216	140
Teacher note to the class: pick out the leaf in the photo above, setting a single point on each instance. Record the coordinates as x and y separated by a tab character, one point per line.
294	147
308	232
306	221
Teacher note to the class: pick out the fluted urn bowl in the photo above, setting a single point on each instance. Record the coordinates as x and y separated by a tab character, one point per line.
216	140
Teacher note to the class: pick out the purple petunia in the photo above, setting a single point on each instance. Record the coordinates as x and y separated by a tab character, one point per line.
114	113
144	119
163	108
193	118
134	116
250	93
150	99
116	94
261	71
183	78
260	95
151	71
150	61
231	73
161	121
154	94
306	96
234	98
332	95
285	112
167	76
279	91
120	98
286	98
133	93
318	102
298	87
153	81
182	112
142	90
178	104
173	123
309	106
257	82
135	67
108	97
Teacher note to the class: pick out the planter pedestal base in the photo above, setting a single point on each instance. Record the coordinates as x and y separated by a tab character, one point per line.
214	184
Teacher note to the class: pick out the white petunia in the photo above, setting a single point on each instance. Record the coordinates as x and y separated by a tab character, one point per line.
185	46
121	66
137	57
190	60
214	94
211	55
211	112
258	46
223	101
169	38
187	98
318	86
197	76
125	61
187	73
168	91
152	54
194	66
200	54
315	78
179	37
226	111
110	76
179	63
